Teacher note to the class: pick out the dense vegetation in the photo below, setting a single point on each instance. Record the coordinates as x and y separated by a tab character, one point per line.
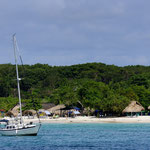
93	85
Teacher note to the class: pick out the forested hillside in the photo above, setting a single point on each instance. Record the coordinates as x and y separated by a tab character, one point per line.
92	85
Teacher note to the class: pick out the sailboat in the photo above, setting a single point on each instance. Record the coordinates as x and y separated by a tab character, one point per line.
17	127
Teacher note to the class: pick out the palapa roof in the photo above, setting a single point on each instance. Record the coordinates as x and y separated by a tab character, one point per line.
134	106
56	108
10	113
14	111
31	111
47	105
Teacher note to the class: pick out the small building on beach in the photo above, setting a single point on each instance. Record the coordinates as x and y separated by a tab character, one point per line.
134	108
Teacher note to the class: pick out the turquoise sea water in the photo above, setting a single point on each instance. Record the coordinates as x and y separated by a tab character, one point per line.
82	137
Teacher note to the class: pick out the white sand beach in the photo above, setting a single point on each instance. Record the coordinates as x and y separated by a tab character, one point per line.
91	119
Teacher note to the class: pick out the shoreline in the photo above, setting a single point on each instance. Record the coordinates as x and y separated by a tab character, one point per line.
89	119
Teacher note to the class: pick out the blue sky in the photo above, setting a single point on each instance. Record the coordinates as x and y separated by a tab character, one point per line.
67	32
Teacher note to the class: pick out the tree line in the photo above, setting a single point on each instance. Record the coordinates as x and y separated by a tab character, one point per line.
95	86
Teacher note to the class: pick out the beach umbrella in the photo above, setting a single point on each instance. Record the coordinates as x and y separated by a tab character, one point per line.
47	112
76	112
41	110
76	108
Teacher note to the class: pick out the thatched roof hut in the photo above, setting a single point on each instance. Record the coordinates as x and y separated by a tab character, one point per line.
47	106
56	109
14	111
30	112
134	106
10	114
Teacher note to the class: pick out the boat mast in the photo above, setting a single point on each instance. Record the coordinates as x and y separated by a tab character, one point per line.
18	79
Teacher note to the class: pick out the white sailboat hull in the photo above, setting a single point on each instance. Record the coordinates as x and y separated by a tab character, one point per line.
28	131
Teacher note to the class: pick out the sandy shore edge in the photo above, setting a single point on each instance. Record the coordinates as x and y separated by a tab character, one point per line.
90	119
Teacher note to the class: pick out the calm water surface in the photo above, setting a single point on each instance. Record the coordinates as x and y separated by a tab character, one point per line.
83	136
